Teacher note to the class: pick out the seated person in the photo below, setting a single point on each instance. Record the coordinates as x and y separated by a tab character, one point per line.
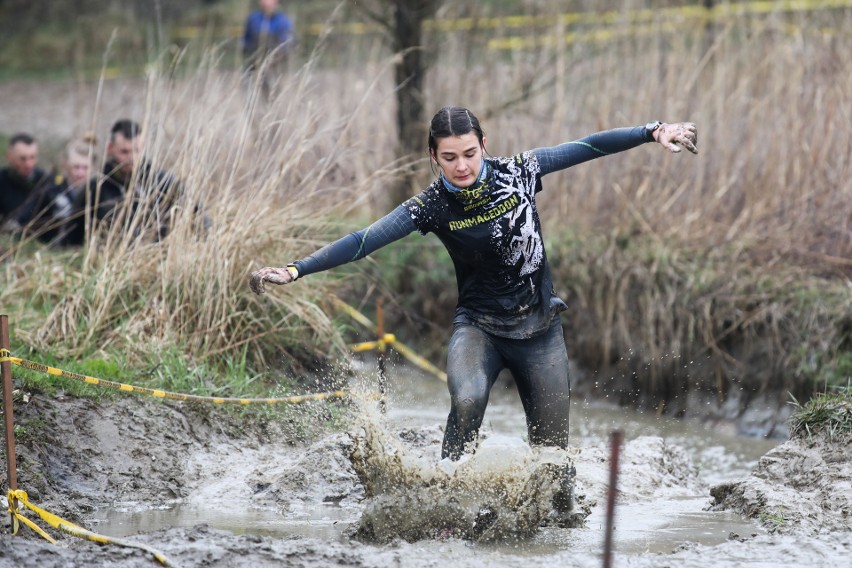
62	203
130	179
20	183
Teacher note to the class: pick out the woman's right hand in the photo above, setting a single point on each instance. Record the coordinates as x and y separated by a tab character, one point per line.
271	274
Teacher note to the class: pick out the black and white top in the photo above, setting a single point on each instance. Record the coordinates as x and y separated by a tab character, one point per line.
492	232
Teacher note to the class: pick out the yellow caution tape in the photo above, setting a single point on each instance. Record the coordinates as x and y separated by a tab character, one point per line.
354	314
532	21
388	339
296	399
418	360
15	496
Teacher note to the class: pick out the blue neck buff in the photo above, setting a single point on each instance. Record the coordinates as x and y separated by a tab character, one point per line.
483	173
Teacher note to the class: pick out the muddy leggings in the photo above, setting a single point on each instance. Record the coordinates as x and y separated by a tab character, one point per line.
540	368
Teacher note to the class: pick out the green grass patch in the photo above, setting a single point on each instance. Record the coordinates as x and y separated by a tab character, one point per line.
829	414
52	385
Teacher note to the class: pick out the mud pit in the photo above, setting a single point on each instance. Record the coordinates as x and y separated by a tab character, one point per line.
77	457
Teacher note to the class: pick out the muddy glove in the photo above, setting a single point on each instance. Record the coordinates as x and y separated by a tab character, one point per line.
677	135
272	274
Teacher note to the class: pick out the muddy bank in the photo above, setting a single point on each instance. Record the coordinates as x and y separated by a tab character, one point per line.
747	409
804	486
78	456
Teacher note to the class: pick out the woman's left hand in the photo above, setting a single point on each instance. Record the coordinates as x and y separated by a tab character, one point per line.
677	135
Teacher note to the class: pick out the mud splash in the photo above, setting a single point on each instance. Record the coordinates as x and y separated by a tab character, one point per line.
403	490
504	491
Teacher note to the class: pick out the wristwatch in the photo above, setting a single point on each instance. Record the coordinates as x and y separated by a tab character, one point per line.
651	127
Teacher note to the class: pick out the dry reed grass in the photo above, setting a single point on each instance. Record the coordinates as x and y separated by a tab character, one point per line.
727	271
272	177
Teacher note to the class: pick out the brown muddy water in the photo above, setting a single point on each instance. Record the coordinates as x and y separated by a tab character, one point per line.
667	468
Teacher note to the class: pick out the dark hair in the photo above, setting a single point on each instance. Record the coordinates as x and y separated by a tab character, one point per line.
126	127
452	121
21	138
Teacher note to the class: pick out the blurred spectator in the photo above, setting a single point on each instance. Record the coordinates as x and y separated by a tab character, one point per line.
151	191
61	205
267	41
20	183
132	181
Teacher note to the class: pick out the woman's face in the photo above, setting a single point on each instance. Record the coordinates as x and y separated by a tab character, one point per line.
77	168
460	158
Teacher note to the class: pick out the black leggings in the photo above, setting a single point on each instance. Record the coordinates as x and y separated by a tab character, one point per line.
540	368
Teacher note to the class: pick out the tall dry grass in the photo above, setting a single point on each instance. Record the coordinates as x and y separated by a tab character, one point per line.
769	91
718	272
715	273
271	176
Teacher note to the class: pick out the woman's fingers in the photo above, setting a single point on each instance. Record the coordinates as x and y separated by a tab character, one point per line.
269	274
256	281
679	135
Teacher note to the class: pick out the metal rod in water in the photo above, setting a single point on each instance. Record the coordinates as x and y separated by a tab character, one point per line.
380	349
616	438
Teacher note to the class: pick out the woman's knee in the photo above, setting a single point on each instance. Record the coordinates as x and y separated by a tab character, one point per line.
469	410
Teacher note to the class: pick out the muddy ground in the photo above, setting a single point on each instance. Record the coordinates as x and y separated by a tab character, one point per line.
75	456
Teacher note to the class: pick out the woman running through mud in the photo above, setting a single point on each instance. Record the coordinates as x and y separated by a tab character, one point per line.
484	211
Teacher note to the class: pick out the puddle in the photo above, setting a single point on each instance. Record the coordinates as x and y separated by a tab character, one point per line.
660	523
320	521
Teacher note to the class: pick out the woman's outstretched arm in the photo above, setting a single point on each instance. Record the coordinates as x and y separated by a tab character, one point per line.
354	246
673	136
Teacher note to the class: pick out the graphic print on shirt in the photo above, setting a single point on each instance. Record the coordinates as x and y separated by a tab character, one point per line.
523	247
491	229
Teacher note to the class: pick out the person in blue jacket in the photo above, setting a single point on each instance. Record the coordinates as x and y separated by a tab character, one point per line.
267	41
483	209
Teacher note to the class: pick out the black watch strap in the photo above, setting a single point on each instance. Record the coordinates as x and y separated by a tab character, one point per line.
651	127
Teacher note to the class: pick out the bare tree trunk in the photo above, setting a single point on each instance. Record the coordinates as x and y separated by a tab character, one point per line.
403	21
410	71
709	24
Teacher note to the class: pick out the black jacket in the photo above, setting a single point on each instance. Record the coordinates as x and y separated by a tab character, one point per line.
19	196
150	191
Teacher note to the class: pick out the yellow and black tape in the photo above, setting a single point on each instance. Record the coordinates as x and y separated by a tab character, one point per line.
296	399
388	339
16	496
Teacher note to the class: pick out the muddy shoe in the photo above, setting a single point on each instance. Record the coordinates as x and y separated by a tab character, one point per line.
483	521
563	499
563	514
572	520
